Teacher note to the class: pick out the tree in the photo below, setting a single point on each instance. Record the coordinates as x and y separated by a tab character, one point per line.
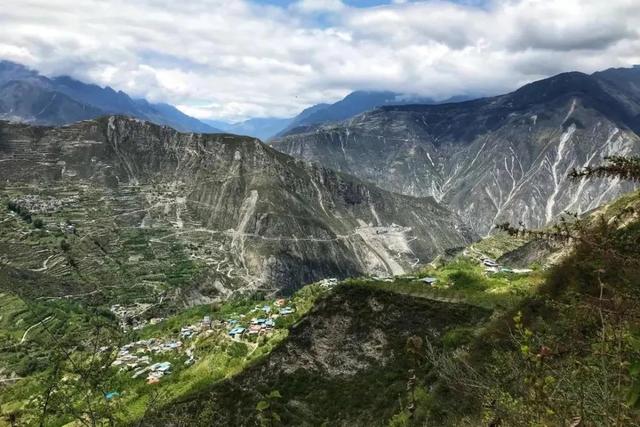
65	246
267	416
624	168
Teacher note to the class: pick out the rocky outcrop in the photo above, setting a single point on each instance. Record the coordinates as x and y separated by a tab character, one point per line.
254	217
495	159
345	363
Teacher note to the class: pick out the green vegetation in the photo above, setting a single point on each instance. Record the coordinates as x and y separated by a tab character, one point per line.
568	354
347	361
69	349
464	280
547	347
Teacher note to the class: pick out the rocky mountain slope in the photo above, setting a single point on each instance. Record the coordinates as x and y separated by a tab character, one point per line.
491	160
346	364
27	96
143	199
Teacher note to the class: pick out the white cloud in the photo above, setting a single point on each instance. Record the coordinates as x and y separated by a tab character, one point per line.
310	6
234	59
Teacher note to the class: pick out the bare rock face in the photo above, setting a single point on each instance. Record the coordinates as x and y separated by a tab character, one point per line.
495	159
250	216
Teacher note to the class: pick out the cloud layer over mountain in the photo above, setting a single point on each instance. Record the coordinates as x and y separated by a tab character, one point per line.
235	59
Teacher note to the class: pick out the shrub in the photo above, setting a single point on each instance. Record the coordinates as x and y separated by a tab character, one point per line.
237	349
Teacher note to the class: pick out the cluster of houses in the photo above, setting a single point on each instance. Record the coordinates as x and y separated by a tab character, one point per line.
137	356
259	325
491	266
157	371
328	283
44	205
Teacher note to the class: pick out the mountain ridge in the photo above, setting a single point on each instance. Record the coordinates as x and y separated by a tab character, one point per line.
253	217
502	158
79	101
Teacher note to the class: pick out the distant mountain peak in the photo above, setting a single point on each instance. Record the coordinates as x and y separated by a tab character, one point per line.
73	100
502	158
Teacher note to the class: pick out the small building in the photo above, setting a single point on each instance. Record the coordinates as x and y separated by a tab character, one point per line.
490	263
254	329
428	280
238	330
111	395
206	322
287	310
161	367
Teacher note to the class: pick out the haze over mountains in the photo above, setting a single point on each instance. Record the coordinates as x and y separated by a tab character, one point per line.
491	160
355	103
27	96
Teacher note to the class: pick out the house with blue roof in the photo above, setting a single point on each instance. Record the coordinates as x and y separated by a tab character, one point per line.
238	330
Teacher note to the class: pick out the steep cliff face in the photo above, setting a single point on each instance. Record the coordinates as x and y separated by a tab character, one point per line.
490	160
250	216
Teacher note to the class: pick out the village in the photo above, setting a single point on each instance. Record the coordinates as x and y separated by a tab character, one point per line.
37	204
491	266
148	357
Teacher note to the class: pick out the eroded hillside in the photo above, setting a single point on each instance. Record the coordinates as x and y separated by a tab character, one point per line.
490	160
144	205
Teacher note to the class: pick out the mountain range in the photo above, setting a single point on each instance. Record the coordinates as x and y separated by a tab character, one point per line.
353	104
27	96
491	160
250	216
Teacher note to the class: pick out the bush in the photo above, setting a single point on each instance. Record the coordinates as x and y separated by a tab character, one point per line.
237	349
468	280
38	223
457	337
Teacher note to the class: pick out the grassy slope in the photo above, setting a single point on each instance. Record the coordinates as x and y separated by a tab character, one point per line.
343	364
570	350
460	281
217	356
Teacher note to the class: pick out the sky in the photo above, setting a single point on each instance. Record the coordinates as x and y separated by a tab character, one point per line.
235	59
